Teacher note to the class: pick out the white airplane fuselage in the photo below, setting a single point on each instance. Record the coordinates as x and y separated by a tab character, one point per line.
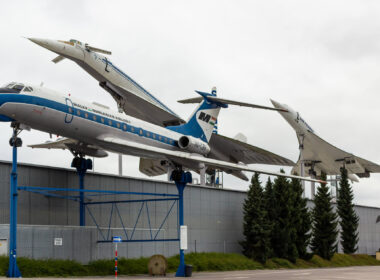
294	119
46	110
98	66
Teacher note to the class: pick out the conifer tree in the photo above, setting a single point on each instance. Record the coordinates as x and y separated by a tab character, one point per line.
301	220
324	223
255	228
270	206
283	234
349	220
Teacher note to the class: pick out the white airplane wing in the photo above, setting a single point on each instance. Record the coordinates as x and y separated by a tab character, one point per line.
60	143
139	106
233	150
178	156
73	146
330	159
228	101
152	167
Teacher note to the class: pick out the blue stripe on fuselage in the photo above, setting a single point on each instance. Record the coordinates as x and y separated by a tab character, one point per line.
84	114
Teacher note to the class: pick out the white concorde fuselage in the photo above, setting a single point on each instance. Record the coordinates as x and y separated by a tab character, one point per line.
47	110
293	118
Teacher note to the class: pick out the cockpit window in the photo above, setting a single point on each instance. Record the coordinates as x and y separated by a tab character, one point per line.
12	88
18	87
75	42
28	89
10	85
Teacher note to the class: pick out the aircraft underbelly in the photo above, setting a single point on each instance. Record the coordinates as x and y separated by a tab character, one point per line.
328	158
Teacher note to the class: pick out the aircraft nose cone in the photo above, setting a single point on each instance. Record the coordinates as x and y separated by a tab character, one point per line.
41	42
275	103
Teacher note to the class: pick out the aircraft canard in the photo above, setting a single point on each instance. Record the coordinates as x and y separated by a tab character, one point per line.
130	96
319	155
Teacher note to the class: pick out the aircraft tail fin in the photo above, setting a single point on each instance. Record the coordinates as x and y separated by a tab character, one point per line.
202	122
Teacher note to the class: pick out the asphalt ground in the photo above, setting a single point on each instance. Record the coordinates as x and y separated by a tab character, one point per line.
348	273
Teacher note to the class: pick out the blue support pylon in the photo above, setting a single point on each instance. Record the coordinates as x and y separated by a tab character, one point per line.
82	165
13	270
181	179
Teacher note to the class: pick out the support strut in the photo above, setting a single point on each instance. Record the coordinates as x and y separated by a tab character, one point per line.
181	179
13	270
82	165
301	140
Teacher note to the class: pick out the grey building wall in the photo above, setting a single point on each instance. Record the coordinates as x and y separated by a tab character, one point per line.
214	217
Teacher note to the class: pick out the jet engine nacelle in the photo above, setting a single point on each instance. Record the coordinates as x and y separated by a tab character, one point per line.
193	145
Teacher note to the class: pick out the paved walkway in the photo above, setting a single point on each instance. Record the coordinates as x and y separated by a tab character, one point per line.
348	273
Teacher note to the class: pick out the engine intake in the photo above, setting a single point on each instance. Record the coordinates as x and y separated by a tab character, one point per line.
193	145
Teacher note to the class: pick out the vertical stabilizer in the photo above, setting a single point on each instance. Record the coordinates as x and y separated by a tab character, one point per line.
202	122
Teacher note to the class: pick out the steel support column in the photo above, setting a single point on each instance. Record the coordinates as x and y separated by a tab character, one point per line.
312	195
82	213
202	176
300	140
181	179
13	270
82	165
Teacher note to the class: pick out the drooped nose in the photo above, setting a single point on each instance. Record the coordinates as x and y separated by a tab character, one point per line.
63	48
45	43
276	104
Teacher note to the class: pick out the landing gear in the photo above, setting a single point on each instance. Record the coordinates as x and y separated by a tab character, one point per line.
82	165
181	179
13	270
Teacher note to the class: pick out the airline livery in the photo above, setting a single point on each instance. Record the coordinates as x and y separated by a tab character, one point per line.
92	129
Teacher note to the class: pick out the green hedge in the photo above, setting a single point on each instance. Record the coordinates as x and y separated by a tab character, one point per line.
199	261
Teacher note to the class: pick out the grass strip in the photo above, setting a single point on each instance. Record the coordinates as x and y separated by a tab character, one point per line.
199	261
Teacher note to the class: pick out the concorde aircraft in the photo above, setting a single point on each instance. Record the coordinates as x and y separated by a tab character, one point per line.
320	156
137	102
91	129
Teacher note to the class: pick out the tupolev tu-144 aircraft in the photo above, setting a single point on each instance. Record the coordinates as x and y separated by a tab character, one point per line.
317	155
92	129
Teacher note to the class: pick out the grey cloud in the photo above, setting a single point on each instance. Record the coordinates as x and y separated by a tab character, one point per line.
319	57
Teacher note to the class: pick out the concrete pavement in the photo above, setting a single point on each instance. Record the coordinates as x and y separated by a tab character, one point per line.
346	273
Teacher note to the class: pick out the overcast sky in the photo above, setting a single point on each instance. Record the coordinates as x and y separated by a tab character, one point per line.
322	58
